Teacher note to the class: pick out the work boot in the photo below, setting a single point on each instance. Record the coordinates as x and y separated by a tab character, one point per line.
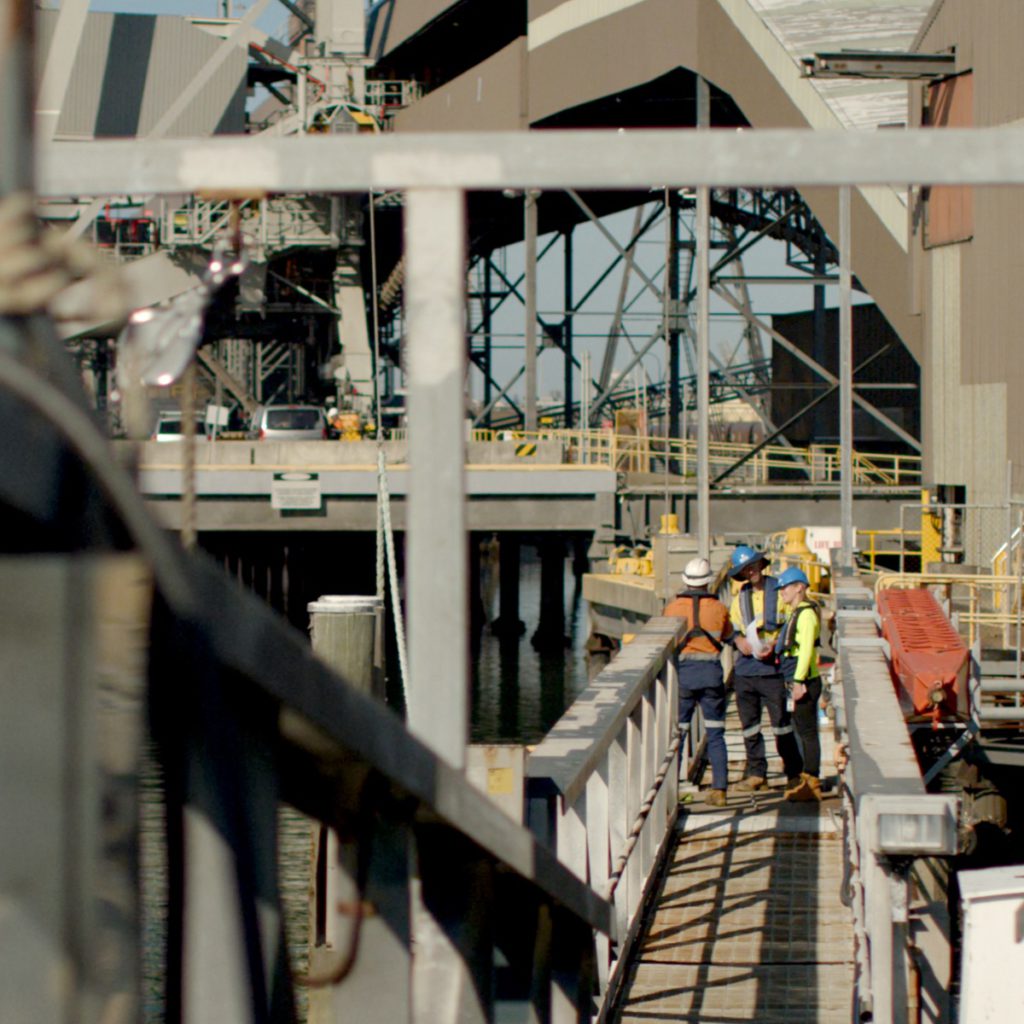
715	798
804	790
751	783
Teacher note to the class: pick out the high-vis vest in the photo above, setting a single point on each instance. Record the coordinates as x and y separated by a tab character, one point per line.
713	630
788	635
771	605
714	636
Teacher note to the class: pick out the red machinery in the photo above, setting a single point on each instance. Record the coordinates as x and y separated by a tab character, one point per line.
929	658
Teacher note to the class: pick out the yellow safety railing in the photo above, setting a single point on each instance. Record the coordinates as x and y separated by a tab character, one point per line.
980	590
640	453
636	453
872	548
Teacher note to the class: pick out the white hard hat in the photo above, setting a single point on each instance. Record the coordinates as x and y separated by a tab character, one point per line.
698	573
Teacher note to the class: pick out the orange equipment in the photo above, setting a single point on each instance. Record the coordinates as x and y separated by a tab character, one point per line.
929	657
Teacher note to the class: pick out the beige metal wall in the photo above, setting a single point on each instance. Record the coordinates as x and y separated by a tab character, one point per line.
972	299
490	97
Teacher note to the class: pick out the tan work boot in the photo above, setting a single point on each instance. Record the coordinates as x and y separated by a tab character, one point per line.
715	798
751	783
804	790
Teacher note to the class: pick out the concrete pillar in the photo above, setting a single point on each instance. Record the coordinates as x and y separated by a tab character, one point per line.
551	628
508	622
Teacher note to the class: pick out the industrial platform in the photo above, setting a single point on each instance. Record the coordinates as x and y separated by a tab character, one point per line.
746	923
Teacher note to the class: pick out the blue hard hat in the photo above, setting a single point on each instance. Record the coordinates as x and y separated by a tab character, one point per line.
792	575
743	556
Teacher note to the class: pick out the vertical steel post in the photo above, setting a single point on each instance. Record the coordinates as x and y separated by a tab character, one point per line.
672	310
530	302
435	242
845	381
703	233
488	341
567	330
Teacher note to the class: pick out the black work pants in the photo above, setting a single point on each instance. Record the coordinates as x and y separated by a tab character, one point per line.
805	718
753	695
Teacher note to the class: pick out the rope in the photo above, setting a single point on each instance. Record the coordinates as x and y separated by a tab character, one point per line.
36	266
385	532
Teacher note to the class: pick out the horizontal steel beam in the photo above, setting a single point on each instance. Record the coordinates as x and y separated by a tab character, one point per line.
555	159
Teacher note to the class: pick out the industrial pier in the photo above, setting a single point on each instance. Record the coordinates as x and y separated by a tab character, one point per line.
601	285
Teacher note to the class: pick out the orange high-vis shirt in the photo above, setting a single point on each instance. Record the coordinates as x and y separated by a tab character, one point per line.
714	617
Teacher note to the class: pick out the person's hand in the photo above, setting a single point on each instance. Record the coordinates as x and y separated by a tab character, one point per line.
743	645
799	691
767	653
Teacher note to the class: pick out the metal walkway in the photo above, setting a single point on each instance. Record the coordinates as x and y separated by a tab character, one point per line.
746	923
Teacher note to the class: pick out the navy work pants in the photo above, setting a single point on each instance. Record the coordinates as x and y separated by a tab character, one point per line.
805	718
700	683
753	695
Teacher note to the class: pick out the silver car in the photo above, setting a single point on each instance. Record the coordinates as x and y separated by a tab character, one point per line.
168	427
291	423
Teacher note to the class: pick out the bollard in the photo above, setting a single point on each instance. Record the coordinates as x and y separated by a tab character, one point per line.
347	633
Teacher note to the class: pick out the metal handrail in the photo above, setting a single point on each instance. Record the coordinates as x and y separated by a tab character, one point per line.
602	784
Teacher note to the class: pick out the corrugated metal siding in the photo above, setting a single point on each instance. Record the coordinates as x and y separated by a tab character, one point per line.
179	52
805	27
130	68
978	418
392	22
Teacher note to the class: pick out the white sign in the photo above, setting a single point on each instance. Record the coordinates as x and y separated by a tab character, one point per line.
821	538
296	491
217	415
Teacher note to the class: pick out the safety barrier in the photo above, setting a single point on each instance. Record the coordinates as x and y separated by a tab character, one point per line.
896	542
602	785
643	453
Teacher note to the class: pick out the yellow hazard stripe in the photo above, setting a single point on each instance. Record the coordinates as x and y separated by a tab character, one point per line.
524	450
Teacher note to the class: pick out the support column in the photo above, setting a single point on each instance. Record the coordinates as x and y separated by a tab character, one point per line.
845	381
435	242
703	231
530	304
508	622
672	371
567	332
486	328
551	627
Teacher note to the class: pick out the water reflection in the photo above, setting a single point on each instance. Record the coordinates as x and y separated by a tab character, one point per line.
519	692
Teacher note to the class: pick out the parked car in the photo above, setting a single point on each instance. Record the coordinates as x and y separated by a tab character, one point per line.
168	426
291	423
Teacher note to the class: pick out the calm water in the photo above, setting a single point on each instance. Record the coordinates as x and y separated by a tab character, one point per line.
518	693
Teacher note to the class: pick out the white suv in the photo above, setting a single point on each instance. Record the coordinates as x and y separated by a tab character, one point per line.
291	423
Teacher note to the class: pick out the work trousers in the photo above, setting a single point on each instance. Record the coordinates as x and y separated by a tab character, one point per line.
805	718
753	694
701	683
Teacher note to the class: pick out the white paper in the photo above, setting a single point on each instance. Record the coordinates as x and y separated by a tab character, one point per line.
756	647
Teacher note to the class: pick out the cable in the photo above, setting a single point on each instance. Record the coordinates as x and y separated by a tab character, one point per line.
385	530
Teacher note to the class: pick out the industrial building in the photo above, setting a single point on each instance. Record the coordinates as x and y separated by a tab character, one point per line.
355	316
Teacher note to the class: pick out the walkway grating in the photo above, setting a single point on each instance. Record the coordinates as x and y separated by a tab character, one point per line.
747	924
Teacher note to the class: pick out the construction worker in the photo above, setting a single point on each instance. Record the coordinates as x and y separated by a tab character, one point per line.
698	661
757	614
797	647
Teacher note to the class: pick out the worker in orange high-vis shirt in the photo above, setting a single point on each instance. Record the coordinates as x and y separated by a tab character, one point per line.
699	665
